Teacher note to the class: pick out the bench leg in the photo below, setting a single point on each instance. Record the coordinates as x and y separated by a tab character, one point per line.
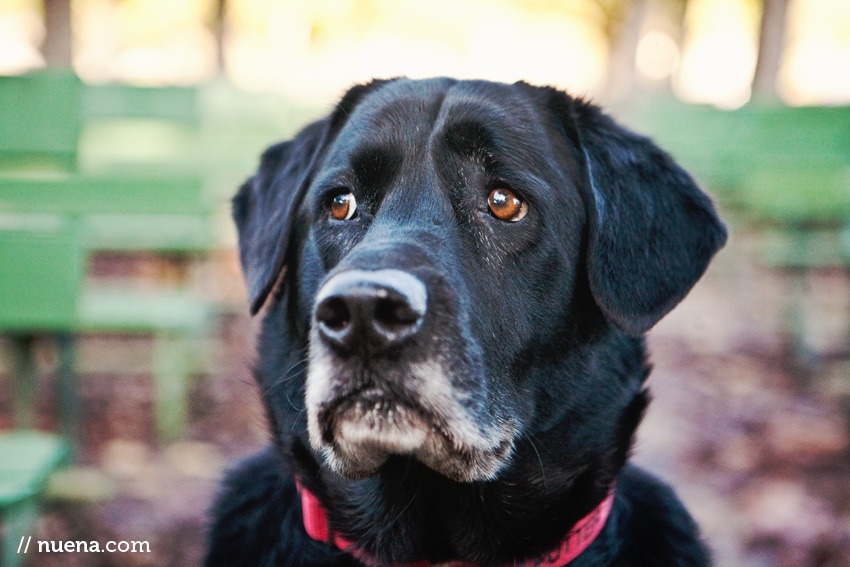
18	524
171	376
23	380
803	357
68	401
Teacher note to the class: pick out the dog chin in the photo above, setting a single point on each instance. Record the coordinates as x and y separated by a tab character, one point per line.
361	456
357	436
357	430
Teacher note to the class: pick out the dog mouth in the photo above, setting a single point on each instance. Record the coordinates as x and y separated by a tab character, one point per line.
381	412
359	432
366	427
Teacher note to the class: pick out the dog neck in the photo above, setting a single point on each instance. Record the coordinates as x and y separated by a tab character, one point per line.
576	541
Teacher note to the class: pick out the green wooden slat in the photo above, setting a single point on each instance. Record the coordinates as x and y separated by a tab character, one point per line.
158	233
128	233
126	101
138	146
794	193
745	136
79	195
40	282
39	119
803	249
123	310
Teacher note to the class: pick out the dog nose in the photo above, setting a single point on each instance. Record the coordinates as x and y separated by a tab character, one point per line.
370	310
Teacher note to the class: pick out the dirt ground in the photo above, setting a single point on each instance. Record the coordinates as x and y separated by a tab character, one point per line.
756	445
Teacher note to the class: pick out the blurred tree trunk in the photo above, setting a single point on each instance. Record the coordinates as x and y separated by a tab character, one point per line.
771	44
57	39
623	27
626	22
219	25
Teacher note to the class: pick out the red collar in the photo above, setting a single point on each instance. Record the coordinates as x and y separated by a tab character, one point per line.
574	543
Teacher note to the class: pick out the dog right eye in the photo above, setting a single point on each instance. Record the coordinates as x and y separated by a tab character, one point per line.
343	206
506	205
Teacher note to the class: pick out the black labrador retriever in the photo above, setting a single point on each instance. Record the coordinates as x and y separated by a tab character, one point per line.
456	277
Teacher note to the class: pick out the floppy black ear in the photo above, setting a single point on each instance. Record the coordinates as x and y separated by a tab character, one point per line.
651	230
264	207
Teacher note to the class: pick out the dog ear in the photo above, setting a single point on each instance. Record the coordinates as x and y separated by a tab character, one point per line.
264	207
651	230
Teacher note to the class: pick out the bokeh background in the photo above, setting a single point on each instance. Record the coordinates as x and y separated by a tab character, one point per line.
126	125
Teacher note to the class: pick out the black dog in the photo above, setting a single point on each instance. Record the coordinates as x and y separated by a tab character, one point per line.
457	277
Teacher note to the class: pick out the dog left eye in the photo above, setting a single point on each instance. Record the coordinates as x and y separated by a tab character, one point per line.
505	205
343	206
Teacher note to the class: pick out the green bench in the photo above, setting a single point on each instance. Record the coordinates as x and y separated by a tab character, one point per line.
53	217
783	171
41	188
91	207
796	192
725	149
49	260
41	271
802	213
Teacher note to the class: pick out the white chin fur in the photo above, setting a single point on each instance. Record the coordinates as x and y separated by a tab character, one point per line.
366	433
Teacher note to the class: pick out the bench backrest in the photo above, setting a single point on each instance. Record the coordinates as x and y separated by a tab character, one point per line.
40	120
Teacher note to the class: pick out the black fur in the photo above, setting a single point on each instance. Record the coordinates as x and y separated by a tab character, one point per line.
534	327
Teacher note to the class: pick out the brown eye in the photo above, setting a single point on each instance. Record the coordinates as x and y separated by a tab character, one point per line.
506	206
343	206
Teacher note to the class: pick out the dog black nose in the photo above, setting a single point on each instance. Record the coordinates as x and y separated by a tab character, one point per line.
370	310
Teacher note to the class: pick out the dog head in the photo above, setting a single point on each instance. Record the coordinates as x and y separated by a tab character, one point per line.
447	261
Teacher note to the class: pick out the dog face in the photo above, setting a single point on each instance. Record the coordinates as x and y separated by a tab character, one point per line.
449	258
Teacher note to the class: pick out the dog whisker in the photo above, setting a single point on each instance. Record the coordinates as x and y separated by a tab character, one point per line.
406	506
286	376
539	460
299	410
